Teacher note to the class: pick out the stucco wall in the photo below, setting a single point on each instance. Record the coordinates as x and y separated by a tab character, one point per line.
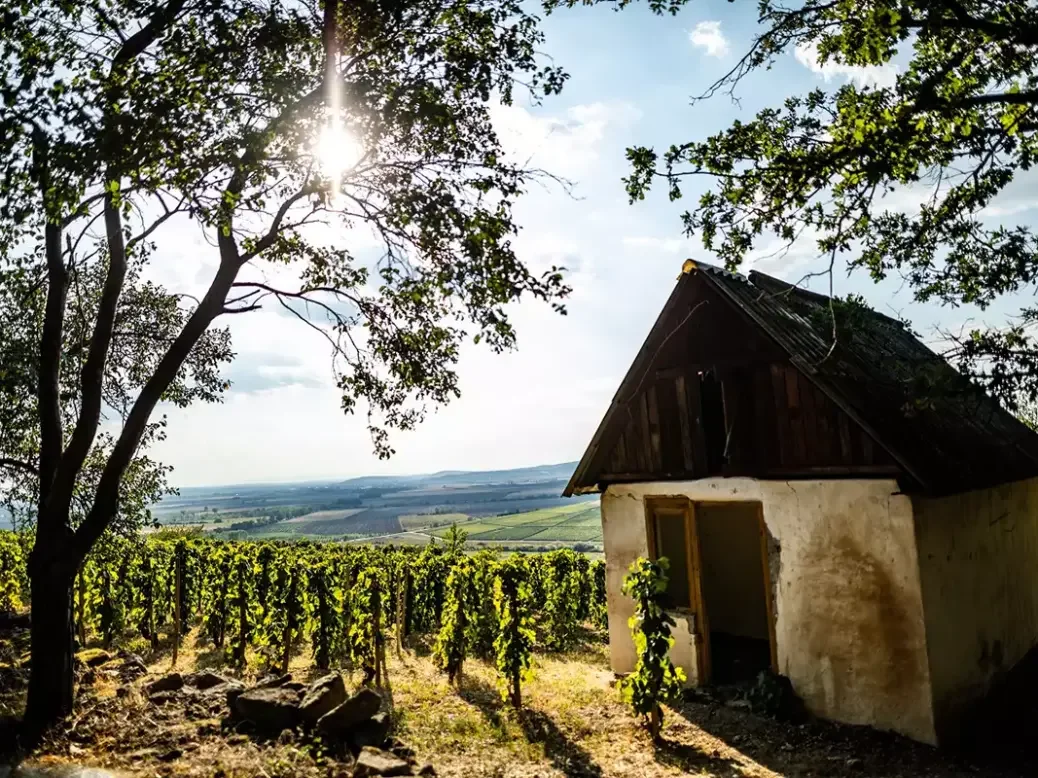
978	559
847	603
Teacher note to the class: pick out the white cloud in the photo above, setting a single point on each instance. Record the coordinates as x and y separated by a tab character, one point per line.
878	75
708	36
664	245
566	145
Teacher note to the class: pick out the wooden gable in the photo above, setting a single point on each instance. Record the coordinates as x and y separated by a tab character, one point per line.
710	394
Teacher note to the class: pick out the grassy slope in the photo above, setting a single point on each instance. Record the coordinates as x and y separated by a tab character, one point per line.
573	725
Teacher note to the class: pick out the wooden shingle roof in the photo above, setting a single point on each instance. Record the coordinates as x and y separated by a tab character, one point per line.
947	434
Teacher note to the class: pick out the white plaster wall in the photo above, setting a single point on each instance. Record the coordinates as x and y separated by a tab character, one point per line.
978	558
847	602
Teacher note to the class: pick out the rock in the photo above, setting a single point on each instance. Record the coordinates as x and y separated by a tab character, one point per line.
170	755
92	657
206	679
426	769
132	667
270	709
167	683
373	732
323	695
405	752
272	681
374	761
295	686
161	698
232	691
773	695
360	707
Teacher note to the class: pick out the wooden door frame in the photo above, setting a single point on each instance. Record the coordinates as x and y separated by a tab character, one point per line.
701	622
700	626
768	594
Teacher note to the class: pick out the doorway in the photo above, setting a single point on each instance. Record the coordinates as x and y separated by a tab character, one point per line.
735	590
719	575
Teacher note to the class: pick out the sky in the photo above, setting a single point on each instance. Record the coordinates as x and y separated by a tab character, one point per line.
631	76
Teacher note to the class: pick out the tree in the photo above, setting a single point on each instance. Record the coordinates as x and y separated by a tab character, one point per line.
956	128
123	119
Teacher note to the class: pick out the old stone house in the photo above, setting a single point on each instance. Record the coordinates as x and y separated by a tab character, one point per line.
846	510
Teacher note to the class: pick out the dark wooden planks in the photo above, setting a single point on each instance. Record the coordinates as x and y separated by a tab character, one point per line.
777	422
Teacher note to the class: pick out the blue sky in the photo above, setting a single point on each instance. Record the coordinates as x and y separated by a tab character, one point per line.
632	74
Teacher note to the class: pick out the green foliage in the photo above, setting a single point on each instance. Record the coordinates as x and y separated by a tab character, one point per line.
264	601
515	637
454	539
655	680
483	622
12	566
117	117
217	608
891	177
364	637
563	584
243	577
324	635
453	638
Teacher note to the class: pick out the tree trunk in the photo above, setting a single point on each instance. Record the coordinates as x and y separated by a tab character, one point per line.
51	678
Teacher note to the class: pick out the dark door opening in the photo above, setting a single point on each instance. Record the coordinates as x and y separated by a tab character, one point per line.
734	589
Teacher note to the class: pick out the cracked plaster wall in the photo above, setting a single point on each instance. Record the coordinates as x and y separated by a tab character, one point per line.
847	603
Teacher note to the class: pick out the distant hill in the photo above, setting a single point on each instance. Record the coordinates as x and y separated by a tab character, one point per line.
390	505
520	475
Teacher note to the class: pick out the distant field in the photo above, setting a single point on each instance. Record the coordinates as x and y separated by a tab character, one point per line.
566	532
421	521
508	507
471	527
577	523
338	515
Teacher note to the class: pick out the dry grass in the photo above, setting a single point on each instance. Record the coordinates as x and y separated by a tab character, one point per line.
573	724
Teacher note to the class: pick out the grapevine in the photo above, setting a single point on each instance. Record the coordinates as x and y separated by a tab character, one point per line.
655	680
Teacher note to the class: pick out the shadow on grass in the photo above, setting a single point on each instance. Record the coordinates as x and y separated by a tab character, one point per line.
691	759
565	755
420	643
479	694
212	659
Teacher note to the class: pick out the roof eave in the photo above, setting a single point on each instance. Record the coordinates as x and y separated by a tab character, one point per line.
577	481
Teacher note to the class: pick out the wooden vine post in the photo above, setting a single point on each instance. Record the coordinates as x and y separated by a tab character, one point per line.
401	609
178	576
290	618
380	643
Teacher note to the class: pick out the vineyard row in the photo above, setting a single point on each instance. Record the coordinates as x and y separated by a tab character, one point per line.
262	602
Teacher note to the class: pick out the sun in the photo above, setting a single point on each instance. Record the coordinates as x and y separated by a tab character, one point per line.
337	151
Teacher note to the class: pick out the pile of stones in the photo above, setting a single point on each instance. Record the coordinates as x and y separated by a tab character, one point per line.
279	706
